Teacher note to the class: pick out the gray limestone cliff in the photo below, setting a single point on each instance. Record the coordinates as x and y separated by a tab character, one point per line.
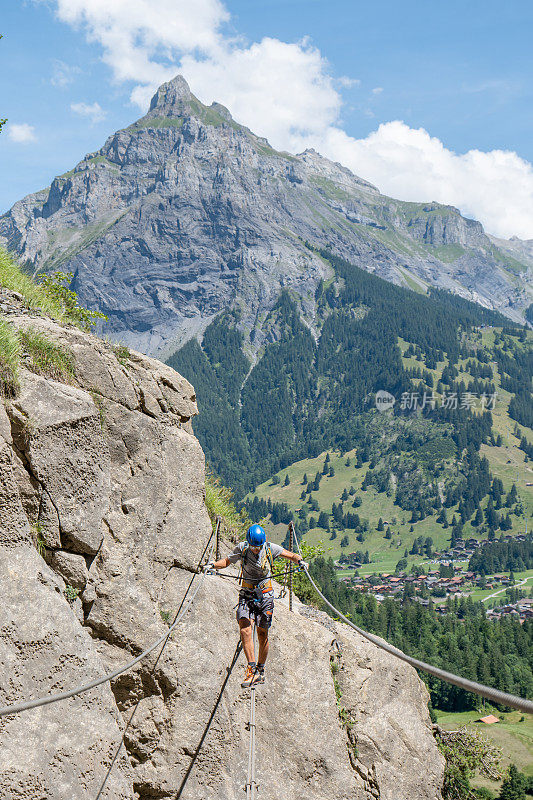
186	213
102	526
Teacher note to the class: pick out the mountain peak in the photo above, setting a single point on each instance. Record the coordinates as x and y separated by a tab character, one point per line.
172	97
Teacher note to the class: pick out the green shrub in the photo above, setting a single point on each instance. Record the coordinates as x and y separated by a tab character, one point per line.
44	357
165	616
71	593
483	794
55	287
99	403
49	294
37	537
10	353
122	353
465	752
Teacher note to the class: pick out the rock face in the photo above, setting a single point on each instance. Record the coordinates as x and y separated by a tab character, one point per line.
102	527
186	213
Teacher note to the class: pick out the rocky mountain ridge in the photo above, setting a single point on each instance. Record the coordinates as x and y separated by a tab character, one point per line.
186	213
102	526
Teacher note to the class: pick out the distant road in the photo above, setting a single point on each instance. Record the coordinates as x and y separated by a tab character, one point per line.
516	586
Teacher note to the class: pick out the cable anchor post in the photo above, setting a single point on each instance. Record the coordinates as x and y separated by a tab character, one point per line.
291	545
217	538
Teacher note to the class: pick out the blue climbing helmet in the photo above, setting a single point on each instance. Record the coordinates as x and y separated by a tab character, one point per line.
256	537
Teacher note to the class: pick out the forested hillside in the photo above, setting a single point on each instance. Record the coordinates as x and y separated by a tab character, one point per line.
299	436
314	390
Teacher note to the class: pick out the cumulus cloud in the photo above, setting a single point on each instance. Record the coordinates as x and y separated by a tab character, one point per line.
495	187
279	90
92	111
21	132
285	91
142	40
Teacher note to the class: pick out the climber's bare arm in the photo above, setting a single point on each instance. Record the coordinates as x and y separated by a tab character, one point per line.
222	563
291	556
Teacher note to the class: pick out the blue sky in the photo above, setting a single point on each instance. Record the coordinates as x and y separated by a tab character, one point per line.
302	72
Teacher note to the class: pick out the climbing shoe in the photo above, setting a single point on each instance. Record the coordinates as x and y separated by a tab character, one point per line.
248	676
259	676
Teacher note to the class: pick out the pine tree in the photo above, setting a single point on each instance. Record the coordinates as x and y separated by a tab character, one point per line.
380	525
287	480
506	523
511	496
344	496
513	786
323	521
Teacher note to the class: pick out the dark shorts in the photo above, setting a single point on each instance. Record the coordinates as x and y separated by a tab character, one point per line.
250	607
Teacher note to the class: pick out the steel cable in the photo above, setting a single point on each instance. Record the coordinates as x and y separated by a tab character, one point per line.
251	785
54	698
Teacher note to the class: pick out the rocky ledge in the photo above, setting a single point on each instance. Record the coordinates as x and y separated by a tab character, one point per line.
102	526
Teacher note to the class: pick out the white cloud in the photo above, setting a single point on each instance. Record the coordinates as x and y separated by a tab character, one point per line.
143	39
277	89
63	74
285	91
495	187
94	111
21	132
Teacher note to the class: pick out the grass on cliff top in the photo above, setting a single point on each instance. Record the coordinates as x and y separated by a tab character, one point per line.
14	278
219	503
36	352
10	352
45	357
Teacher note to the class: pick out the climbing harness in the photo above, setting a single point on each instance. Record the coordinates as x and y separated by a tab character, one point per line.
511	700
219	574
